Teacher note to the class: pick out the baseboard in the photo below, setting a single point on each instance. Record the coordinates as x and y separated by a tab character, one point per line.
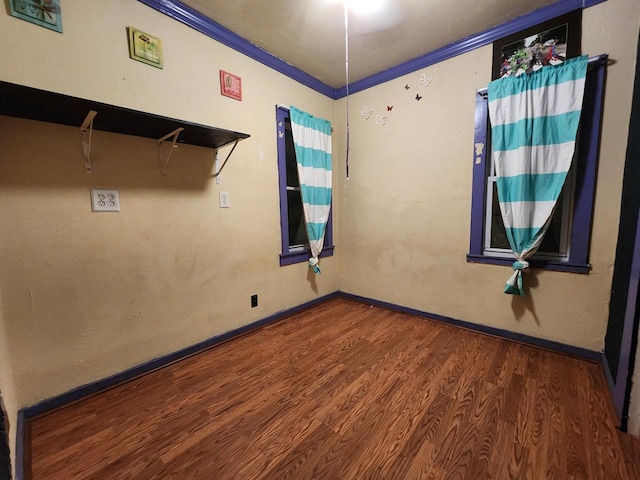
496	332
83	391
22	446
24	414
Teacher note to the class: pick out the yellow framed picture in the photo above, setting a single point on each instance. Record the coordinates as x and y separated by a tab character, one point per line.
145	48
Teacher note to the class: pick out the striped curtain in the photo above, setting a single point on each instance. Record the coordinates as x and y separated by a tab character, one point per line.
534	123
312	142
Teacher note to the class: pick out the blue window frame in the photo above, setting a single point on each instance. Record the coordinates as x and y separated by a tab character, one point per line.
295	245
576	257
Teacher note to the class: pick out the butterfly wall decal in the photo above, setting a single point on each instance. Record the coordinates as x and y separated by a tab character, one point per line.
389	108
380	120
407	87
424	81
418	97
366	113
280	134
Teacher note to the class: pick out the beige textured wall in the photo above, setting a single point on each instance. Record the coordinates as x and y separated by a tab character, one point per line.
406	206
86	295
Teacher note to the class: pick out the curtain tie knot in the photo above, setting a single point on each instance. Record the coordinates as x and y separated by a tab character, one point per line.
313	263
520	265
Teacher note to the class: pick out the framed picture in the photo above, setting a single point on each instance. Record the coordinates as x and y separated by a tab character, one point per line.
45	13
145	48
230	85
548	43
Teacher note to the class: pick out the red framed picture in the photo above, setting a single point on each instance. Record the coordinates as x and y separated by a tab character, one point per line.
230	85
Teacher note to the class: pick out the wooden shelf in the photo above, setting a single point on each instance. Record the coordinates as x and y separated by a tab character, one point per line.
35	104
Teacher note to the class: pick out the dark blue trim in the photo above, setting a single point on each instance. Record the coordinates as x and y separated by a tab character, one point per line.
625	361
81	392
589	150
586	172
621	339
94	387
533	263
91	388
606	368
208	27
303	256
478	197
20	443
298	256
497	332
468	44
282	114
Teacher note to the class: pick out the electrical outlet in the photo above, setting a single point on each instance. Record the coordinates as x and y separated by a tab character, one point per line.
254	301
225	200
105	200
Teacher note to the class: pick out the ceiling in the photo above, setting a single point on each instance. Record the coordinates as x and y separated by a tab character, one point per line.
310	34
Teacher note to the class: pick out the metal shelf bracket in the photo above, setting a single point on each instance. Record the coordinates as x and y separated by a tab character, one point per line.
164	161
219	171
87	126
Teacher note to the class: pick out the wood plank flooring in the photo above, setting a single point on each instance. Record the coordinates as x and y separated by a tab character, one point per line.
346	391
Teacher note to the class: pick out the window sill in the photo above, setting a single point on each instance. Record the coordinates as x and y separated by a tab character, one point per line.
300	256
553	265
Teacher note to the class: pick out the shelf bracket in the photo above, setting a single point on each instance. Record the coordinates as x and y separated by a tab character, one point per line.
219	171
165	161
87	126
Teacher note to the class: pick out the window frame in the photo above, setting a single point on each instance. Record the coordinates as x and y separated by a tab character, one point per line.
577	260
293	254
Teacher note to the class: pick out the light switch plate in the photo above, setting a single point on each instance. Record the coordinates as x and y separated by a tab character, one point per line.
105	200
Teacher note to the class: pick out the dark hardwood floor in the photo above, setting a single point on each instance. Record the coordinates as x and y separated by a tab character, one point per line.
346	391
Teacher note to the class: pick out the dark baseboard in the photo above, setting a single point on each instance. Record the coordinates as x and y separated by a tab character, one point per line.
5	455
25	414
496	332
23	448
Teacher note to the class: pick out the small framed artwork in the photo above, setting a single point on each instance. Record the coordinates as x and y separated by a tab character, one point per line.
548	43
45	13
230	85
145	48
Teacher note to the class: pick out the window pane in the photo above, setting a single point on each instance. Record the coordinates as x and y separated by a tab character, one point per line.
498	232
297	230
292	168
551	241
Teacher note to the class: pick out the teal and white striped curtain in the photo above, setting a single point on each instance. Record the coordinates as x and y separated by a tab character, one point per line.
534	123
312	142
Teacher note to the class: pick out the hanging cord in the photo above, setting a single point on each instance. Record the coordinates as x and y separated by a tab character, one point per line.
346	67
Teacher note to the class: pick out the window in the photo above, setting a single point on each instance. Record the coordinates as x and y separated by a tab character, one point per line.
566	244
555	244
295	246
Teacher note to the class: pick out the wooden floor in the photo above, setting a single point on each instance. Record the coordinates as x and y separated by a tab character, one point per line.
346	391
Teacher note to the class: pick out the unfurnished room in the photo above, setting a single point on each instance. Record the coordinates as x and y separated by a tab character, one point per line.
319	239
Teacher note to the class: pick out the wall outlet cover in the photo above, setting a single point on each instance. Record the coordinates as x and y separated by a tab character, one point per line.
225	200
105	200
